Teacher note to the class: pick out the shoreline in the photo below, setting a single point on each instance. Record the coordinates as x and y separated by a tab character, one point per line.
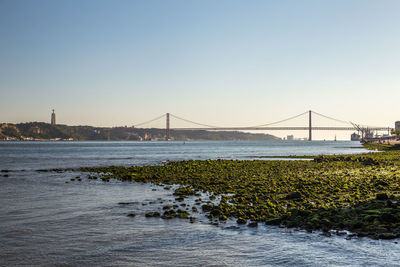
358	193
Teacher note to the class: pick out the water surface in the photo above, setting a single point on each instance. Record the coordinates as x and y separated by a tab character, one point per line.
46	221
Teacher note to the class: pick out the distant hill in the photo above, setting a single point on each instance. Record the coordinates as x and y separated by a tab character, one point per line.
45	131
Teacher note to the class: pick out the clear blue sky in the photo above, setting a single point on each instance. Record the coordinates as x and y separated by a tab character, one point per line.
108	63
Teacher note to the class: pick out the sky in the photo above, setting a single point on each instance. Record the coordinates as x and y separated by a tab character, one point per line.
223	63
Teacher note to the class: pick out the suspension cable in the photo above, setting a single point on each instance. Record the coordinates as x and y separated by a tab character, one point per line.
211	126
327	117
139	124
189	121
357	126
282	120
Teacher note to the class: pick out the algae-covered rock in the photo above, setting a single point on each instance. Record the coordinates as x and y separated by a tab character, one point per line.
169	214
340	192
152	214
183	192
206	207
241	221
182	214
223	218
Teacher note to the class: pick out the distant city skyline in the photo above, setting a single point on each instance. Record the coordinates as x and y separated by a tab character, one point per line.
225	63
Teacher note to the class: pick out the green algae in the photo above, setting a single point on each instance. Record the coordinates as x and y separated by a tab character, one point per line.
381	147
345	192
374	218
285	157
152	214
183	192
170	214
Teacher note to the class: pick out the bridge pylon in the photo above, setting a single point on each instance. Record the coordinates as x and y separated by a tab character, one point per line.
309	126
167	131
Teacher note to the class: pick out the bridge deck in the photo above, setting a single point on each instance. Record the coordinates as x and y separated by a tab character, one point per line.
281	129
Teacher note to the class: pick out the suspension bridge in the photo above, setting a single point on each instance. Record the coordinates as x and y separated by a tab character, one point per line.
351	126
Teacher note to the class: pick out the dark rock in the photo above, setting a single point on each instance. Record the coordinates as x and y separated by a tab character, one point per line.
387	236
326	233
123	203
274	221
388	217
293	195
381	196
206	207
340	233
252	224
223	218
390	204
215	212
350	236
241	221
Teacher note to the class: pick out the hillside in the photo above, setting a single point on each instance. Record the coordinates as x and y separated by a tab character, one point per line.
45	131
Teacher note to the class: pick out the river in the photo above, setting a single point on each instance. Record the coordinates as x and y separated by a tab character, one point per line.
47	219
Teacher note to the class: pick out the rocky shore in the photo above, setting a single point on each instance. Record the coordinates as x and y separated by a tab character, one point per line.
358	193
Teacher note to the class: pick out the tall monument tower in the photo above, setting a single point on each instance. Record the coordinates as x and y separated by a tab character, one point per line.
53	118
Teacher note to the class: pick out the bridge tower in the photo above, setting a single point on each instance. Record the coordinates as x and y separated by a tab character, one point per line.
167	132
309	126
